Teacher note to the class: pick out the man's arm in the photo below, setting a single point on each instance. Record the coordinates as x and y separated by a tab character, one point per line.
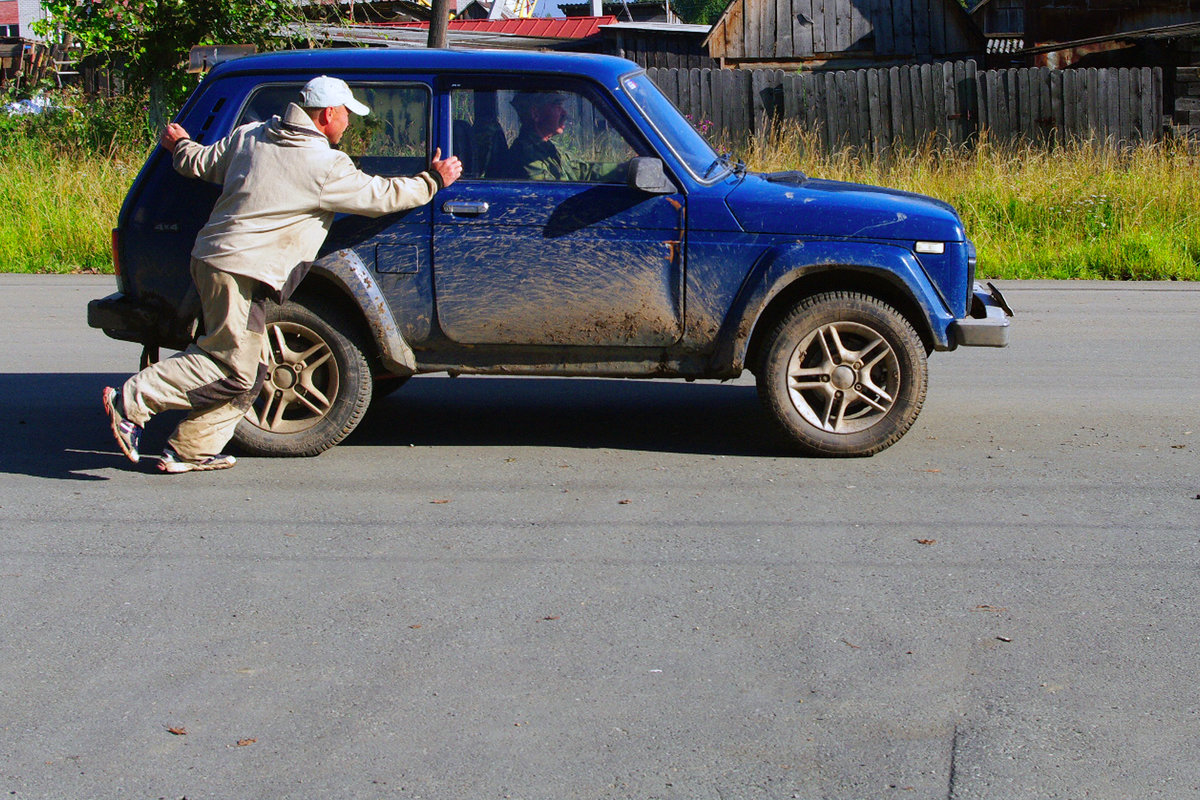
351	191
192	159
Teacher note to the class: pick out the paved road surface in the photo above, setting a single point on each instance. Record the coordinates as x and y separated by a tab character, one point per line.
553	589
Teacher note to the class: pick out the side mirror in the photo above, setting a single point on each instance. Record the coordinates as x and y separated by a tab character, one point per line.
646	175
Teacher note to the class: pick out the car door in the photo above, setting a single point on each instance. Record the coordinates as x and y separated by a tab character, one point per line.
392	140
541	242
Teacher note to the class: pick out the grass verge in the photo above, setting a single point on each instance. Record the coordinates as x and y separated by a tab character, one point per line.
59	206
1033	211
1069	212
63	175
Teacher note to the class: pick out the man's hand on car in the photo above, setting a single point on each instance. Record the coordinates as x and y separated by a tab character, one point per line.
172	135
449	169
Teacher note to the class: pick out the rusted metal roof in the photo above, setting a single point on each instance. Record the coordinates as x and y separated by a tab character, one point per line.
536	28
1186	29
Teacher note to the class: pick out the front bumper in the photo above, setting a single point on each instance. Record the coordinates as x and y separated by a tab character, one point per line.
987	325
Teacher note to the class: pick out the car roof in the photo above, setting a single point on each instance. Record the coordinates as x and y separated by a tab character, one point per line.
606	69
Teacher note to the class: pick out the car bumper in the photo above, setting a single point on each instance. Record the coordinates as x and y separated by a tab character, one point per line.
988	325
123	317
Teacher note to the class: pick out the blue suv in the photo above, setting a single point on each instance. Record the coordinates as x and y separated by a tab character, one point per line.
618	244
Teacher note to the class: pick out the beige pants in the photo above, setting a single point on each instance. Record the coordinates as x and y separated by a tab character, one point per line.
218	377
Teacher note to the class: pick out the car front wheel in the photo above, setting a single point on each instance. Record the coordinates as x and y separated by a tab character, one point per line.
843	374
318	383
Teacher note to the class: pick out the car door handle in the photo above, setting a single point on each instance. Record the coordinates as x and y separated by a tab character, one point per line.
459	207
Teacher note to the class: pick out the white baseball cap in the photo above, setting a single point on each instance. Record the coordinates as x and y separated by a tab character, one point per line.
325	92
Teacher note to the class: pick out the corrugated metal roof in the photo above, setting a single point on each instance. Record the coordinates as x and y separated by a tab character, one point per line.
536	27
658	27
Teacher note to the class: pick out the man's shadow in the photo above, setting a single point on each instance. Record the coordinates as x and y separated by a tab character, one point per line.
52	424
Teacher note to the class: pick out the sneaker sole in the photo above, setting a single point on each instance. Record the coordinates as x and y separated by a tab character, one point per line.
114	420
180	467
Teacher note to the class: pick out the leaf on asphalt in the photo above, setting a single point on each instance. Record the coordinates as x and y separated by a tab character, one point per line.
925	541
989	608
624	502
178	731
439	502
245	742
414	627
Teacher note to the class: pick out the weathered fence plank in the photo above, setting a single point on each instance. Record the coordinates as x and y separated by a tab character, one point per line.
948	103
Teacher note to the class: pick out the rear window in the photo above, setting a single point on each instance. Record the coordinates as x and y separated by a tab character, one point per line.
392	140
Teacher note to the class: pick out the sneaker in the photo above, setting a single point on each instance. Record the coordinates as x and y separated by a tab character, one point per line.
172	463
124	431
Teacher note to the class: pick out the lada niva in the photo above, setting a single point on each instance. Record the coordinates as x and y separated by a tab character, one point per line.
632	250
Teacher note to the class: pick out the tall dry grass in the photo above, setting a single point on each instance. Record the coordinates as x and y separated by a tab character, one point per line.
59	206
1075	211
1036	211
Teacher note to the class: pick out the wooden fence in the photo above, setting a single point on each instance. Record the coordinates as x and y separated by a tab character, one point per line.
950	102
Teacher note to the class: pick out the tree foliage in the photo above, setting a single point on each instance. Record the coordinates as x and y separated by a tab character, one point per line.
150	39
699	12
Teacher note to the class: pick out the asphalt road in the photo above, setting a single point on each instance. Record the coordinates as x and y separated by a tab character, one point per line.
557	589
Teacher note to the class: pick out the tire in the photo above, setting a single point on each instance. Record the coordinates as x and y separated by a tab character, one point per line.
843	374
318	383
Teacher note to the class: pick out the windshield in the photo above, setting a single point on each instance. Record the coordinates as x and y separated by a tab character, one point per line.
683	139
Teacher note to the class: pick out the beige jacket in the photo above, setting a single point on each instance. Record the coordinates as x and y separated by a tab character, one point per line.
282	185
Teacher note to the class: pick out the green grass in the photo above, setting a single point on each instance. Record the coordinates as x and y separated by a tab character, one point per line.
1033	212
1039	212
59	207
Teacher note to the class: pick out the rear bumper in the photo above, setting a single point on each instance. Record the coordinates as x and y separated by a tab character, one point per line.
123	317
987	325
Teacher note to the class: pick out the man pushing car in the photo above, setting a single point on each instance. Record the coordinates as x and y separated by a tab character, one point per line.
282	182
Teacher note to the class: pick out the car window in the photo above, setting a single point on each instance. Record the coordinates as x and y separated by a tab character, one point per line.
681	136
541	133
391	140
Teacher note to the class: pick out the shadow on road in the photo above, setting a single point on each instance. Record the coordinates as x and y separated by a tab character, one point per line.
673	417
52	425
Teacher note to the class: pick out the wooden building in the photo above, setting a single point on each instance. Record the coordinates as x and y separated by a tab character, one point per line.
842	34
1109	33
1004	17
657	44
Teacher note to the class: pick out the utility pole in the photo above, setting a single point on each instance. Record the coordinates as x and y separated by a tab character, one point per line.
439	21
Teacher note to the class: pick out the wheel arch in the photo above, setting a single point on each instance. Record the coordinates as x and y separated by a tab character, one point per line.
341	277
885	286
792	270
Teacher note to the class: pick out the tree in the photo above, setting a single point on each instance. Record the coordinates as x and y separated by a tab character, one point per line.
699	12
150	39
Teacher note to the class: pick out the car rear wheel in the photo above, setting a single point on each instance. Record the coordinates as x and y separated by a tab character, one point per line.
843	374
318	383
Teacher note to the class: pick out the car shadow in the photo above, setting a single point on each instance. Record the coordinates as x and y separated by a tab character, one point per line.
52	425
664	416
